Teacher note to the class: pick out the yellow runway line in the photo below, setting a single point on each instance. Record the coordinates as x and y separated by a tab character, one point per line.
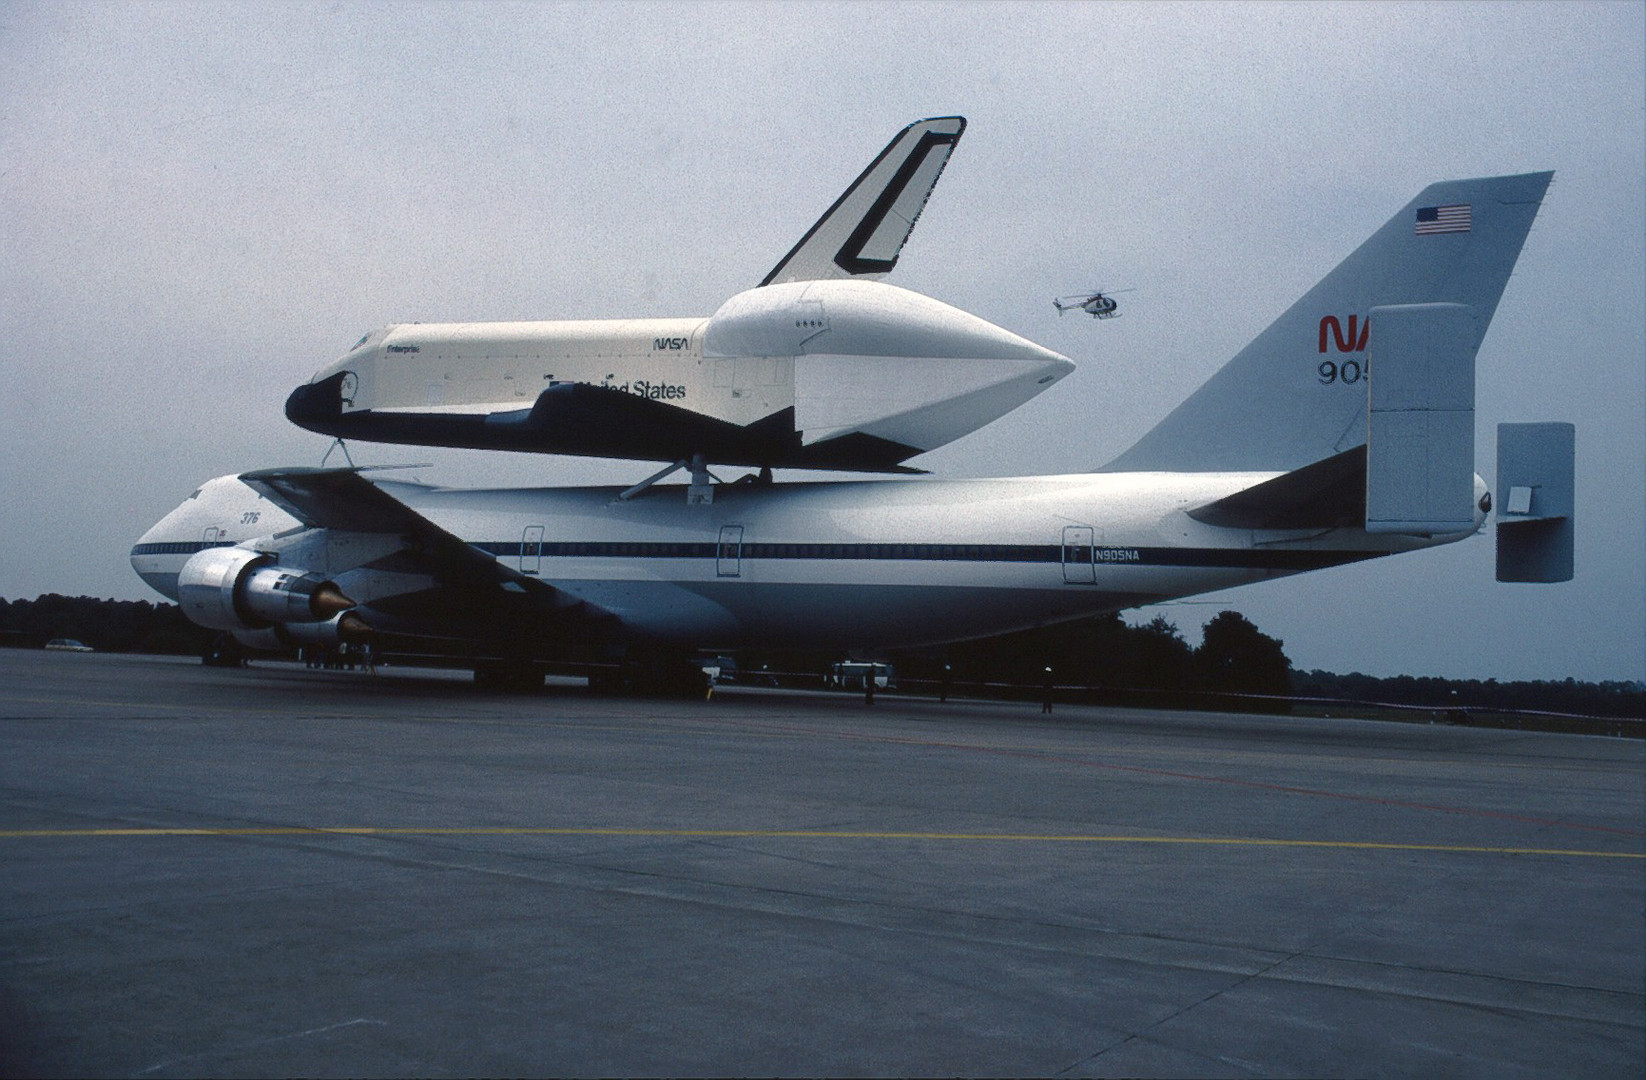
803	834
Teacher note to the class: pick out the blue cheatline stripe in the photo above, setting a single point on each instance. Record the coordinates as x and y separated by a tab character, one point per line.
1234	558
179	547
1265	559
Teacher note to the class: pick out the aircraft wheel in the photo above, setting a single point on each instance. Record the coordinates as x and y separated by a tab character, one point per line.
224	651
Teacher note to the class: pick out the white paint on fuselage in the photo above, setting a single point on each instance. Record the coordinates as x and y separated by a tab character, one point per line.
872	602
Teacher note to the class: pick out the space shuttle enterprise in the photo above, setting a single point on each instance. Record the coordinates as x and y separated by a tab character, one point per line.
820	366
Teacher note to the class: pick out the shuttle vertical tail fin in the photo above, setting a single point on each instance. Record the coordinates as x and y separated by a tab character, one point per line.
1297	393
863	232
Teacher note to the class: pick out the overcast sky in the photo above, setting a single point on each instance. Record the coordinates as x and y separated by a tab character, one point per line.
202	204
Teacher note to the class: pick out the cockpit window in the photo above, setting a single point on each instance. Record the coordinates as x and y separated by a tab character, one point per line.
196	494
363	339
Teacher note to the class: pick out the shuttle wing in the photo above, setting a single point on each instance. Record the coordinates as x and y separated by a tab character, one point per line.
611	423
862	233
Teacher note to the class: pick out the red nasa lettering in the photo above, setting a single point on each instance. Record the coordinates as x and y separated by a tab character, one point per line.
1349	343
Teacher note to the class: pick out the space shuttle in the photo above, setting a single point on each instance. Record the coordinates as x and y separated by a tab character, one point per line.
822	365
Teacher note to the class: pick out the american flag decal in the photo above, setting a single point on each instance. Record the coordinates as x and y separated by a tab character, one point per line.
1439	219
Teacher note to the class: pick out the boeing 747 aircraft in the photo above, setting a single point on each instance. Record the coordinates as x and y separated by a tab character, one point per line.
821	366
1344	432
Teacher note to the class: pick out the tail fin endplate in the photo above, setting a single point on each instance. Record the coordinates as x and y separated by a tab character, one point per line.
1535	529
1291	397
1420	422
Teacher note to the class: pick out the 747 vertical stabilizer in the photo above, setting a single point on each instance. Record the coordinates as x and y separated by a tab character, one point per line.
1297	394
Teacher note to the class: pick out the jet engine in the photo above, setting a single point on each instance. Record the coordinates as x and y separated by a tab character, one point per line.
345	628
236	589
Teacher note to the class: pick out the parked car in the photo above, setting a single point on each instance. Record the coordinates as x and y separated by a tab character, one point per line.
68	644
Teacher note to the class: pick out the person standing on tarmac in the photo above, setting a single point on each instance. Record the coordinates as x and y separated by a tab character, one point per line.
1046	690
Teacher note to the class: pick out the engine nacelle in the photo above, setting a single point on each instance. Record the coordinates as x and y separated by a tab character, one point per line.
231	588
347	628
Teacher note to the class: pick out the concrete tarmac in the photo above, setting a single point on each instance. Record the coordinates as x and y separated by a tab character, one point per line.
275	871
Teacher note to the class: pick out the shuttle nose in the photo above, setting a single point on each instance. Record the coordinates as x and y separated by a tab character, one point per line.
317	406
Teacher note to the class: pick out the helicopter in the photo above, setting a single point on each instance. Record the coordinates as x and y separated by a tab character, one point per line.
1098	304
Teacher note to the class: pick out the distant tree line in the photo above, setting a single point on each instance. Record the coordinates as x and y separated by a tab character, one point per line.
1610	698
1102	654
105	625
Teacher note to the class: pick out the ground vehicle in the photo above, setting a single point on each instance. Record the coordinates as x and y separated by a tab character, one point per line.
850	675
68	644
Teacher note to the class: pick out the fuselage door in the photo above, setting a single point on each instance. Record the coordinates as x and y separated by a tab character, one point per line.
728	554
531	550
1078	565
211	535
